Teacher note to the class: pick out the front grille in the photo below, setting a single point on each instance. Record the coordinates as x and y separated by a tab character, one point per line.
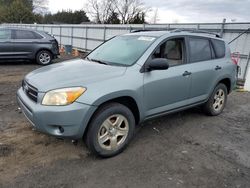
30	91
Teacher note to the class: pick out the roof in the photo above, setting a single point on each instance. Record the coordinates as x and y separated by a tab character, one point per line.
159	33
149	33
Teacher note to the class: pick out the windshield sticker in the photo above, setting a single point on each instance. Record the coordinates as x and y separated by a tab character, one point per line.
150	39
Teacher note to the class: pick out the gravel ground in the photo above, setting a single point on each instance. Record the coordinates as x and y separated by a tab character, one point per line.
185	149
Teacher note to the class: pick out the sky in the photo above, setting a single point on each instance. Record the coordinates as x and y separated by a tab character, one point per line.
181	11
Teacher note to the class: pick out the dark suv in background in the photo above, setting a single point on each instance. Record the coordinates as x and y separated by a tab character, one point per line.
27	44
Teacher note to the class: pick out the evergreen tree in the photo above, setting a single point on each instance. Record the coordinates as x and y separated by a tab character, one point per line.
16	11
139	18
67	17
113	19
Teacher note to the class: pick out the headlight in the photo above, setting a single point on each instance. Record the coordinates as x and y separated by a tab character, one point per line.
63	96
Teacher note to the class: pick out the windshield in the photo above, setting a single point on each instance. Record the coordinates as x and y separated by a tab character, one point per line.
122	50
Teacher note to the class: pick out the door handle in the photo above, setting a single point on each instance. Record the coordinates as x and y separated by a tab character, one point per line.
186	73
217	67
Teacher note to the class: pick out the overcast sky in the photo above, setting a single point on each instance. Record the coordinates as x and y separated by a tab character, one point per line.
180	10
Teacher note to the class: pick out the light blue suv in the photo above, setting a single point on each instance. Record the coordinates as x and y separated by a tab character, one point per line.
127	80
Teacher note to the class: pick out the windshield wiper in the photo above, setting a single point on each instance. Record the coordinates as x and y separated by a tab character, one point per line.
98	61
87	58
104	63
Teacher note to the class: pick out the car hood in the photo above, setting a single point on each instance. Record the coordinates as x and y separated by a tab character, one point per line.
71	73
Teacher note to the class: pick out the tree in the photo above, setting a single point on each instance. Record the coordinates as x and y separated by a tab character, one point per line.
113	19
18	12
139	18
25	11
103	11
67	17
27	3
128	9
40	6
100	10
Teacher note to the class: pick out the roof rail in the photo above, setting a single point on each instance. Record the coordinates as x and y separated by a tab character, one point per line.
178	30
196	31
144	30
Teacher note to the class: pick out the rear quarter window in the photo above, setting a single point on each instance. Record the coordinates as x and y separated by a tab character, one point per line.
22	34
5	34
199	49
219	48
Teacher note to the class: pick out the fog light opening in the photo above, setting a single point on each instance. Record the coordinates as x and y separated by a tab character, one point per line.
61	130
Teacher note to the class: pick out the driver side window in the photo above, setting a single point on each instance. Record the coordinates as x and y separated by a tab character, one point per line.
172	50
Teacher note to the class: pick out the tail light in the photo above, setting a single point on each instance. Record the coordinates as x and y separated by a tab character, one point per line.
235	57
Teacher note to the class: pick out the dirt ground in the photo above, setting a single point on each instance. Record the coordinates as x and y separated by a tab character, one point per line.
185	149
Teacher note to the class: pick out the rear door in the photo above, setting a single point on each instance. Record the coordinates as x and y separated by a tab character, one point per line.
205	68
25	42
6	43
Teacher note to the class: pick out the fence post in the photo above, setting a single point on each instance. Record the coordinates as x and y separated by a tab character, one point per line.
222	27
72	34
104	33
246	68
86	38
168	26
60	28
198	26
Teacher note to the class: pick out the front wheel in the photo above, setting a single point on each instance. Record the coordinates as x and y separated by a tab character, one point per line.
44	57
110	130
217	101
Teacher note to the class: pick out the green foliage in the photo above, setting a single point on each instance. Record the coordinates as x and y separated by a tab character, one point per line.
25	11
16	11
67	17
139	18
113	19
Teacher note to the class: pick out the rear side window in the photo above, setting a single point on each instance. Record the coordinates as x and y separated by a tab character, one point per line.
199	49
21	34
219	48
5	34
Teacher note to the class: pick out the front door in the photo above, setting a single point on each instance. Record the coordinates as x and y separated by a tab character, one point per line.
6	44
165	90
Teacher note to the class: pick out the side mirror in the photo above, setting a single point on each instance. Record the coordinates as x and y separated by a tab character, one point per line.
157	64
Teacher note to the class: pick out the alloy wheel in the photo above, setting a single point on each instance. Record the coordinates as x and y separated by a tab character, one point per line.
113	132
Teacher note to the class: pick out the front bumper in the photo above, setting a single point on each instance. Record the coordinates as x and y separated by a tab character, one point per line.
61	121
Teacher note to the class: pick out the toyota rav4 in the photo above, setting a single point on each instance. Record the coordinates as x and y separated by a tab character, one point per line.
125	81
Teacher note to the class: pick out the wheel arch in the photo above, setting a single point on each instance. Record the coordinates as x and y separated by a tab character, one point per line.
127	101
227	83
41	49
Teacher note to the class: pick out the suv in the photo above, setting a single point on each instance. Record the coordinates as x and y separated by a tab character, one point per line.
16	44
127	80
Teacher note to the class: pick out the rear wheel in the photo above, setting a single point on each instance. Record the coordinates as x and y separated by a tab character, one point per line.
110	130
217	101
44	57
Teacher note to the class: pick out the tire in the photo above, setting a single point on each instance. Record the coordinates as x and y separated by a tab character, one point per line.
217	101
110	130
44	57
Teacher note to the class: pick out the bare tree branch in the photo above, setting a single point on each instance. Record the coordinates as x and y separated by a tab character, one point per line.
128	9
100	10
40	6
